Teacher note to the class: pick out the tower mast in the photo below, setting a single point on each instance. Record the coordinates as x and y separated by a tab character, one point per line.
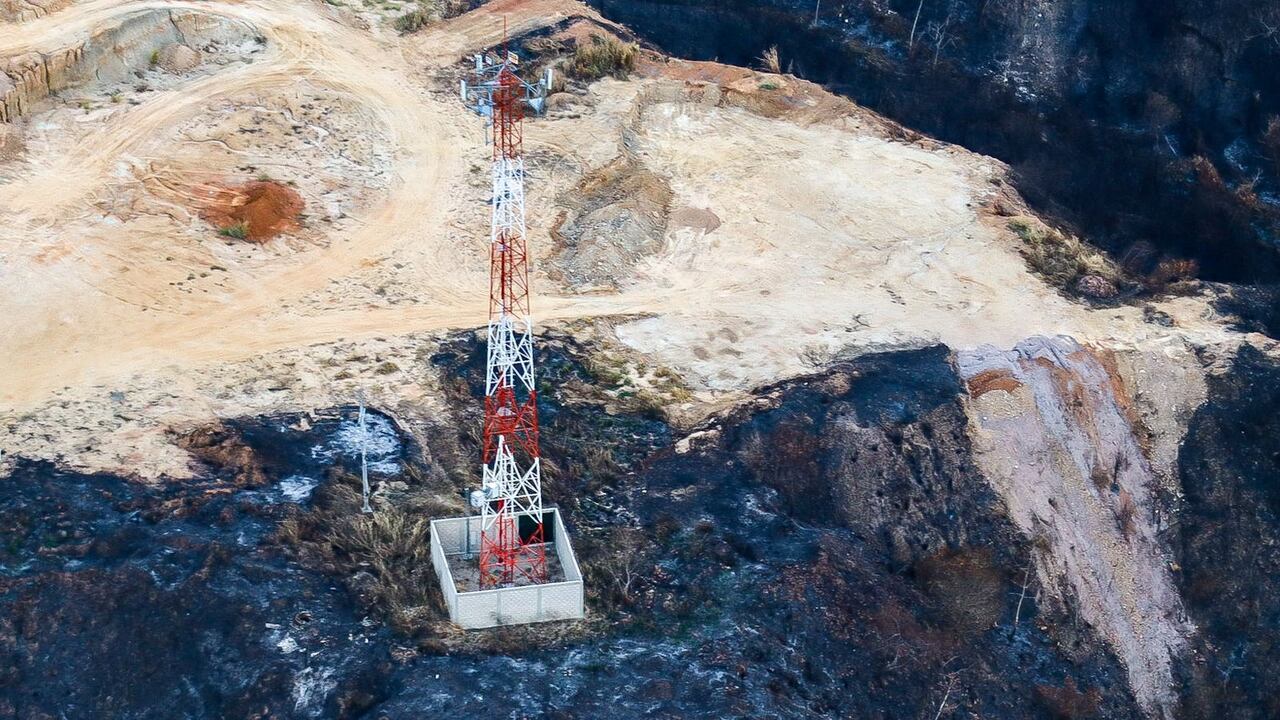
512	538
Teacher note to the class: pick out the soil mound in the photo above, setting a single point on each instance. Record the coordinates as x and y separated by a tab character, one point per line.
695	219
618	215
256	211
177	58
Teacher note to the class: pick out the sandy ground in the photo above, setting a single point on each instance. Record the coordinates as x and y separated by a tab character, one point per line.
125	315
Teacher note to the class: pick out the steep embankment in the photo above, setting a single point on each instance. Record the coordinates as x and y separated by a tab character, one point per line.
1229	543
110	54
20	10
827	549
1054	433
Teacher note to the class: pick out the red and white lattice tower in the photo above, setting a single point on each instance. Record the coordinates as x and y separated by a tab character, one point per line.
512	539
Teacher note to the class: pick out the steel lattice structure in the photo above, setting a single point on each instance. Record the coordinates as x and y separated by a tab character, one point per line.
512	540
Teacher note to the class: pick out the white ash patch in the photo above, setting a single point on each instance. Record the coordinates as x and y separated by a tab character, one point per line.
379	438
297	488
310	688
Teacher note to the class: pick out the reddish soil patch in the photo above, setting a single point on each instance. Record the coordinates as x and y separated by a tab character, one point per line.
263	208
1075	396
693	70
988	380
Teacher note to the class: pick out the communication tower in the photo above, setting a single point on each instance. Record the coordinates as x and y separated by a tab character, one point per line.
512	537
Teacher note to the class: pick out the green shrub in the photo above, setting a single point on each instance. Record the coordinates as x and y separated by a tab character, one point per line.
603	57
411	21
239	231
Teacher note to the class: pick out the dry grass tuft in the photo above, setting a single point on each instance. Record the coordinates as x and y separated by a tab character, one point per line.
1069	702
1238	202
428	12
1101	478
615	564
770	60
1172	270
412	21
603	57
966	586
1126	513
1061	258
1271	140
384	558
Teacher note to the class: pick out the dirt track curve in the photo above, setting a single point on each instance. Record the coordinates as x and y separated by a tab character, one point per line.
306	42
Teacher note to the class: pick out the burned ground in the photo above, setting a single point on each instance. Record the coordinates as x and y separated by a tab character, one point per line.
726	586
1229	534
132	602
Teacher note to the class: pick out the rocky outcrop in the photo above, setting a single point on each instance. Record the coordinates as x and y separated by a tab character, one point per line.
177	58
1054	433
110	55
617	215
30	78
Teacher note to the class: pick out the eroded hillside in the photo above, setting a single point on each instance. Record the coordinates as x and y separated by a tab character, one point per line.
870	445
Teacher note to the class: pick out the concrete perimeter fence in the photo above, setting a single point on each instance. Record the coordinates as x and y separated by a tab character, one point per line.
460	537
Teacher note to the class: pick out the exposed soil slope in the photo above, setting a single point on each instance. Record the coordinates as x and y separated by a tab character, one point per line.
1055	437
1143	124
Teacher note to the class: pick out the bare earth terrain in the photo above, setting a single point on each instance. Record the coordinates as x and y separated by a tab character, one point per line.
774	227
122	306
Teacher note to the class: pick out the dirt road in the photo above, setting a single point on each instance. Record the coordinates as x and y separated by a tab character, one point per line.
306	41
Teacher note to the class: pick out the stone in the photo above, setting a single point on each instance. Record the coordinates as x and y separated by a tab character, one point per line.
1096	286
